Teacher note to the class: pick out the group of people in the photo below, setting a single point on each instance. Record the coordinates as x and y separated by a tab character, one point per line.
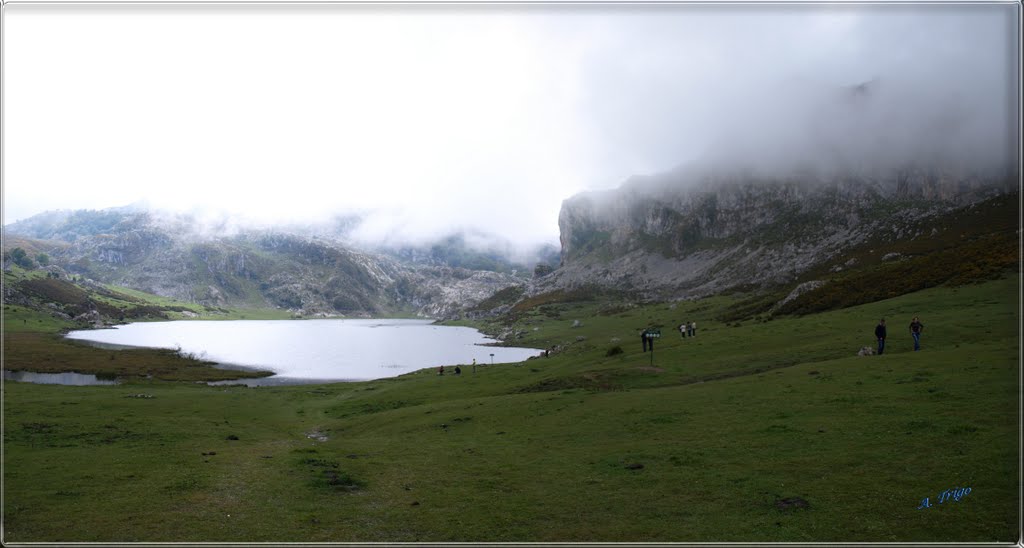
916	328
458	370
688	329
647	339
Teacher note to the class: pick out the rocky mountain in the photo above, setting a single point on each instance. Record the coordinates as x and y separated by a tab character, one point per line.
812	181
683	234
173	256
828	188
690	233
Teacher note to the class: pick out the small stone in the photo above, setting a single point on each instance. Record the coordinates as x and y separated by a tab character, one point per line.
634	466
792	502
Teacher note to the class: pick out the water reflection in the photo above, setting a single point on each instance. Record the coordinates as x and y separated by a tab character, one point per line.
69	379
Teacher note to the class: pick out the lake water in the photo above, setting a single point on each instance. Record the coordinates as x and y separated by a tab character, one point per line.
70	379
315	350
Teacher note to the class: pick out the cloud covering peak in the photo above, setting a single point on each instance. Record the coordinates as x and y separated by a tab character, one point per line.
485	117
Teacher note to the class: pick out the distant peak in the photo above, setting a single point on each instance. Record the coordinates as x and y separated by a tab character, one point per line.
863	89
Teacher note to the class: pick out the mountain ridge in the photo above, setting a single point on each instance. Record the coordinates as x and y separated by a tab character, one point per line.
684	234
687	234
309	275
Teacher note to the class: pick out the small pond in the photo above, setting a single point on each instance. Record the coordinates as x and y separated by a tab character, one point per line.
71	379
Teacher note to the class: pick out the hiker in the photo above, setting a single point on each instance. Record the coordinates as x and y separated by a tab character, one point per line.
880	335
458	370
440	370
682	329
643	339
693	329
916	327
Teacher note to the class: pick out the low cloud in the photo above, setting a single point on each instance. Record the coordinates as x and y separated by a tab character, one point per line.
435	120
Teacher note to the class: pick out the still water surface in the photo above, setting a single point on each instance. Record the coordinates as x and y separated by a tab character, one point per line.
315	350
69	379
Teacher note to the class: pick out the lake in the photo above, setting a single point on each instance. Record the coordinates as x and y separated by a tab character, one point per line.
299	351
69	378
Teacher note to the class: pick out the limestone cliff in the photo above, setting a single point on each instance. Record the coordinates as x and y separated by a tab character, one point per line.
693	233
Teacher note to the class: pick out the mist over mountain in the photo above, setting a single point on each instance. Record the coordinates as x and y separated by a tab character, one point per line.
870	130
812	178
473	249
311	269
805	177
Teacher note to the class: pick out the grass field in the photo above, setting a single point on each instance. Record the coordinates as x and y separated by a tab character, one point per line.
770	430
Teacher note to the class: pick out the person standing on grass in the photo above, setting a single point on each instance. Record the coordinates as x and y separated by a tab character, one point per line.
916	327
693	329
682	329
880	335
643	339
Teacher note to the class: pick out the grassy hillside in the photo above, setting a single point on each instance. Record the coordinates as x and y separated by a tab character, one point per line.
974	243
757	431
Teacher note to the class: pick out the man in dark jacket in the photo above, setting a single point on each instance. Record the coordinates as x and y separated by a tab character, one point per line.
916	327
880	335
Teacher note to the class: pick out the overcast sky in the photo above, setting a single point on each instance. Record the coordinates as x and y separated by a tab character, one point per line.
442	117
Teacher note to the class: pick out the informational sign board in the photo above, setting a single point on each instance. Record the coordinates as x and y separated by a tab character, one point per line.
650	334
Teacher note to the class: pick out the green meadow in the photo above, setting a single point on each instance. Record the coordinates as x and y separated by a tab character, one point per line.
768	429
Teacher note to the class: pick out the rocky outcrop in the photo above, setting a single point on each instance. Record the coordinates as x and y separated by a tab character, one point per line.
687	233
800	290
450	297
